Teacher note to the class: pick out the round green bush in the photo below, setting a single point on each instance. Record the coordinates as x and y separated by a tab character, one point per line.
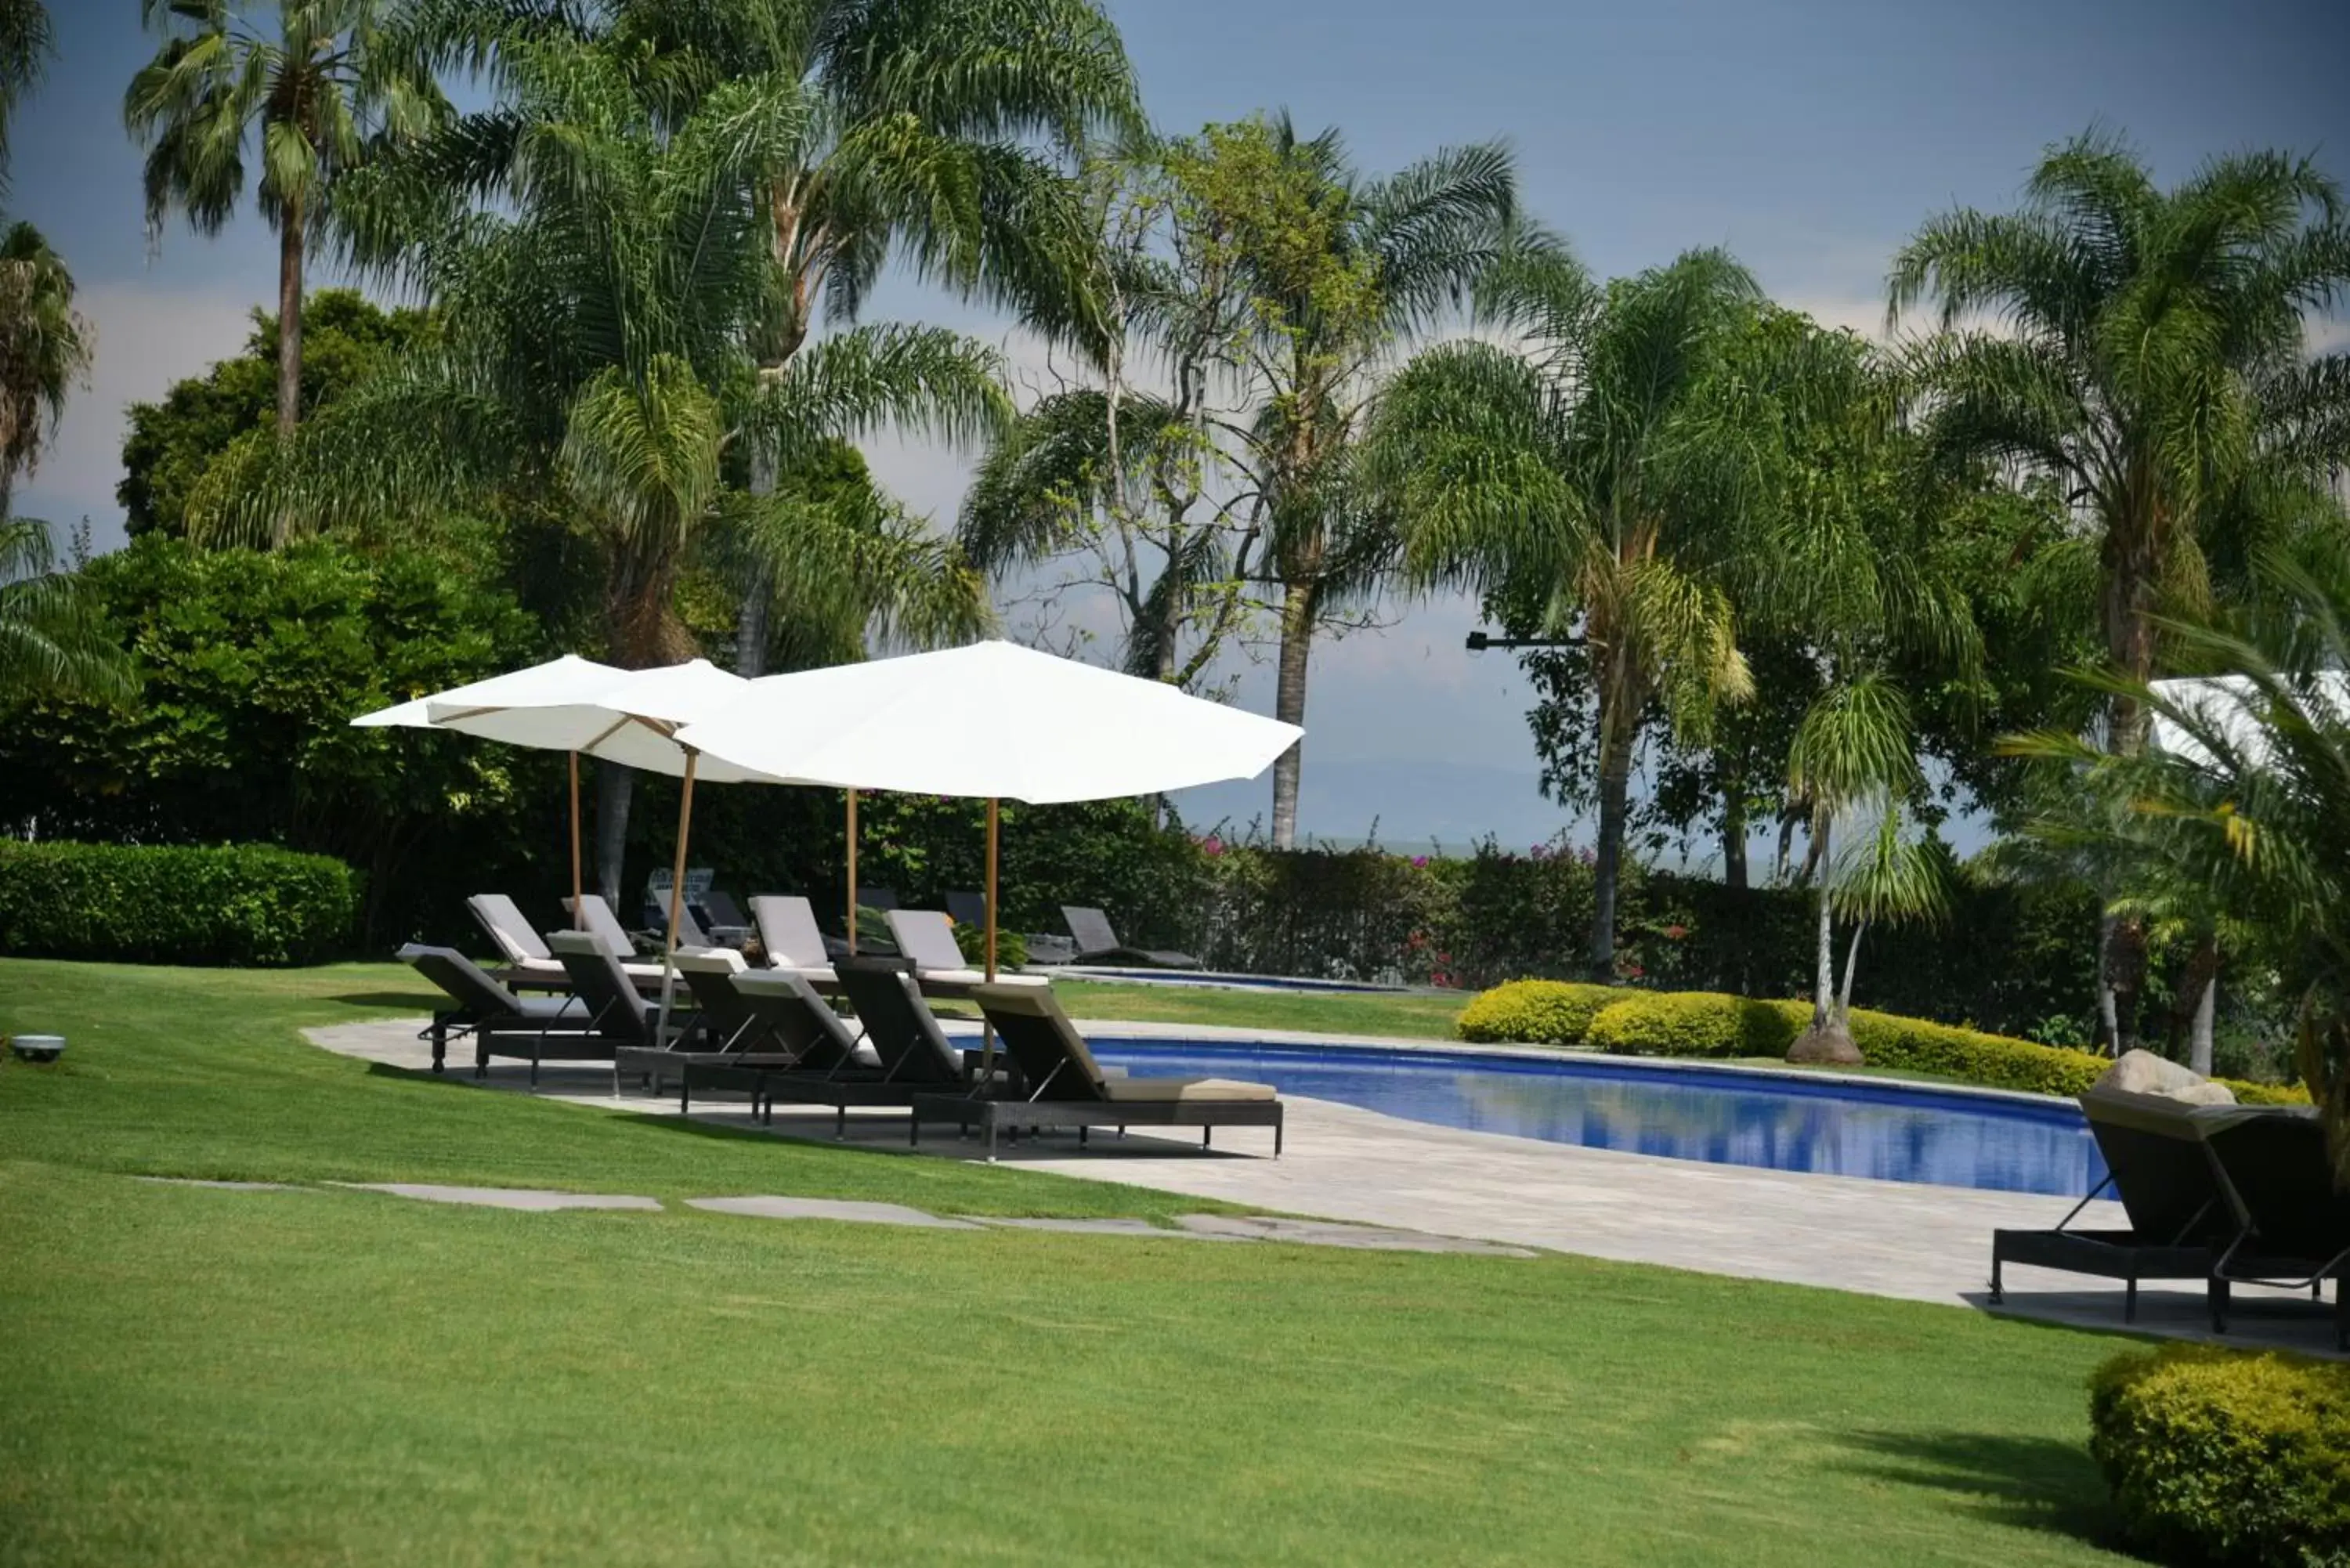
2224	1458
1534	1013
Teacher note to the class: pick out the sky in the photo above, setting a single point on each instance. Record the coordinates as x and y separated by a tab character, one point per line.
1808	139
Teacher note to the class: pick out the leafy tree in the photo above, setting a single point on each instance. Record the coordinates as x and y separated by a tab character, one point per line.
249	667
346	339
1593	473
307	101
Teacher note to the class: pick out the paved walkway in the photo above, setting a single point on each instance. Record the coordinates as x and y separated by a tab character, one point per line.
1342	1163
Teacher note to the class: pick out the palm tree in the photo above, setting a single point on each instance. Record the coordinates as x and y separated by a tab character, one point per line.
45	348
923	129
27	46
1594	474
307	101
1338	289
2247	797
2147	353
52	639
600	292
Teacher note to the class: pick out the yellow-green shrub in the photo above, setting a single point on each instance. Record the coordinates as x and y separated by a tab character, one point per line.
2224	1458
1691	1023
1711	1023
1534	1013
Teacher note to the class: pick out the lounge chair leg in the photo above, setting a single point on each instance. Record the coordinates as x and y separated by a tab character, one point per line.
840	1123
1081	1132
684	1095
1998	1293
1276	1140
2216	1290
439	1044
2129	1300
1206	1137
913	1132
991	1140
534	1069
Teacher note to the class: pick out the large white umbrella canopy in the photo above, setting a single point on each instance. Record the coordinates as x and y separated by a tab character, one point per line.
991	720
570	673
632	716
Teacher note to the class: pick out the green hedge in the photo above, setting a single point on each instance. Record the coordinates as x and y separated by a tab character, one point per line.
2223	1457
1711	1023
236	904
1539	1011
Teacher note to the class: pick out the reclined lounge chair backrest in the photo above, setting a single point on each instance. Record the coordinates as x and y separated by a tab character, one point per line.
598	981
903	1030
881	898
1054	1062
968	909
476	993
722	909
2273	1166
2162	1176
1090	928
796	1018
710	973
605	926
927	938
788	930
500	917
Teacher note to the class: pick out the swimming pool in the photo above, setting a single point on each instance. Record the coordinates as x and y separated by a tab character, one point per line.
1891	1132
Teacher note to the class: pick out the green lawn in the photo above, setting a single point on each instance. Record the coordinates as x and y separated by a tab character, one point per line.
202	1376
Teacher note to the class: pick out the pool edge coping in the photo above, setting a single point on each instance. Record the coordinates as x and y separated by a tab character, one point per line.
1233	1034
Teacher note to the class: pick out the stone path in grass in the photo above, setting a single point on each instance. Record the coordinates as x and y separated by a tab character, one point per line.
534	1199
1360	1167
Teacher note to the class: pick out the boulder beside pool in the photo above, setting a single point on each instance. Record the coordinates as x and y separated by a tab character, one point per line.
2144	1073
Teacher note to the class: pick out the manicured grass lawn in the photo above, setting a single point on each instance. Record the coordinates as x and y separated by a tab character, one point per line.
194	1376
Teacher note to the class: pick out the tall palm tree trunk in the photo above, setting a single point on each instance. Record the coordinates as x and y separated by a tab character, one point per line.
1289	706
1823	951
1607	859
290	237
758	591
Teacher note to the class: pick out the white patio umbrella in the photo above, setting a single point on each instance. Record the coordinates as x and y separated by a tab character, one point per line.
992	720
2232	704
569	677
634	719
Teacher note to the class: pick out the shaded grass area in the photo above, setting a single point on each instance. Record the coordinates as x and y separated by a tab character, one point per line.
194	1376
203	1072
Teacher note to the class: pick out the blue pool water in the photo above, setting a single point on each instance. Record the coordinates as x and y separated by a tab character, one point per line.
1895	1133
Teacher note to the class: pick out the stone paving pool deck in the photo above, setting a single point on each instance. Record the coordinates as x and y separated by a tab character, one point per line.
1895	1239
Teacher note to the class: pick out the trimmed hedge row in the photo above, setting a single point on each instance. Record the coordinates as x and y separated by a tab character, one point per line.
232	904
2217	1456
1711	1023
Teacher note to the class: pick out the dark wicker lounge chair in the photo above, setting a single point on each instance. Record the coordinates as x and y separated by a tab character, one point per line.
629	1018
2278	1180
729	1032
552	1028
1061	1084
1097	943
2156	1164
907	1055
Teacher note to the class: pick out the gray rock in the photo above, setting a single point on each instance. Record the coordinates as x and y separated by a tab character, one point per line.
2144	1073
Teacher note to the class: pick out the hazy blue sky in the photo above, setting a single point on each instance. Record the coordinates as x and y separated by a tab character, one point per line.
1807	137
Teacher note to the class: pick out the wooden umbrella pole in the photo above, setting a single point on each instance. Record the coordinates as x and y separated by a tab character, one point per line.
852	873
676	895
579	909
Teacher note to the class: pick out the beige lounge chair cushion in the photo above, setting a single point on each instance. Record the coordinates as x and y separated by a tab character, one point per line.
1160	1091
